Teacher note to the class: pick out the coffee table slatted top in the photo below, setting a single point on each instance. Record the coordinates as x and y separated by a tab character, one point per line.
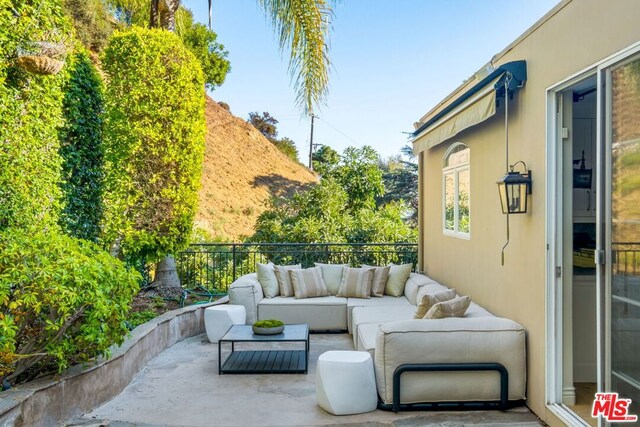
244	333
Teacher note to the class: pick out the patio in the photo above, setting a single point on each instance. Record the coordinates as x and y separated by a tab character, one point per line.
181	387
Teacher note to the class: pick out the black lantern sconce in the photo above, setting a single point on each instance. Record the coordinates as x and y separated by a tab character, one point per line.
513	189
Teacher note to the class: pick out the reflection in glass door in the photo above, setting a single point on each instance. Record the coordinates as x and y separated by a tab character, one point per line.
623	375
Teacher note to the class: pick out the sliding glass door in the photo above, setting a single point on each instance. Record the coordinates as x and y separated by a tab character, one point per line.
622	277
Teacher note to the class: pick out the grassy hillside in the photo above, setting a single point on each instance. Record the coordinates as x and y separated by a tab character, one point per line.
241	171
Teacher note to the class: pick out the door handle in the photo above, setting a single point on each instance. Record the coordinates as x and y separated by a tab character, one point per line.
588	200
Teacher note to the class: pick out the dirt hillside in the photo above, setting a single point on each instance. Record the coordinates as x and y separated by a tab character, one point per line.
241	171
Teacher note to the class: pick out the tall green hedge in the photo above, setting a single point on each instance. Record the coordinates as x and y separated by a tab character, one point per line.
154	142
31	112
81	149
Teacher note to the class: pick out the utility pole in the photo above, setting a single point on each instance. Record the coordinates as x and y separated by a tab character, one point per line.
311	143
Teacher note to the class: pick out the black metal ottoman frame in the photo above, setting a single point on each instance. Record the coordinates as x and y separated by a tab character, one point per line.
501	404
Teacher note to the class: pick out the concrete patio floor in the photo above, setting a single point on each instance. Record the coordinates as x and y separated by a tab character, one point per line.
181	387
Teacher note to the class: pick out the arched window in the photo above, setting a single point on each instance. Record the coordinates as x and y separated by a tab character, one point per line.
456	189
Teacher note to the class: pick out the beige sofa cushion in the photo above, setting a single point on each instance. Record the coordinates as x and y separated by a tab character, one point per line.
398	276
321	314
308	283
332	275
451	308
356	282
429	300
367	333
380	277
385	301
284	280
378	314
451	340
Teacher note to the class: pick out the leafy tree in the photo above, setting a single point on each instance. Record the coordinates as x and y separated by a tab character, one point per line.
81	149
401	183
265	123
92	22
202	42
314	215
325	160
154	142
288	147
336	210
360	175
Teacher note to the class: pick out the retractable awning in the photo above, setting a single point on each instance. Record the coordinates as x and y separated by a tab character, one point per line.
472	107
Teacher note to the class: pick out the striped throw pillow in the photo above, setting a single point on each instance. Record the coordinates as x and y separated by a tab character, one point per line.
380	277
356	282
308	283
452	308
429	300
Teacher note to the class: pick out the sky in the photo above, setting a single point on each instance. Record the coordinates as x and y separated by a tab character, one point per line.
392	61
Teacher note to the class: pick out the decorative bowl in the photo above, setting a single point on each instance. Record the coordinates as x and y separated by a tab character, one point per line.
267	331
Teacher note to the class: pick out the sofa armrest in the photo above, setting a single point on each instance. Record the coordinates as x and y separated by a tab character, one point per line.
246	291
451	340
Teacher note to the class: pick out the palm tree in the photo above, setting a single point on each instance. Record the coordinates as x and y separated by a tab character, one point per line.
303	27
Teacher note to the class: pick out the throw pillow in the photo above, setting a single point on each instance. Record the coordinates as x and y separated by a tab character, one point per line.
308	283
429	300
356	282
380	277
332	275
398	276
452	308
284	281
268	280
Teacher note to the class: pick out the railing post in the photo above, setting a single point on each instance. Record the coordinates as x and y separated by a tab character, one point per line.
233	248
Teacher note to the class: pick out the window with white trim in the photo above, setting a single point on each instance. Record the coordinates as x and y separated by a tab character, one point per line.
456	186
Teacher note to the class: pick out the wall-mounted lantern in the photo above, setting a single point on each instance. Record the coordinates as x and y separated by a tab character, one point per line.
514	188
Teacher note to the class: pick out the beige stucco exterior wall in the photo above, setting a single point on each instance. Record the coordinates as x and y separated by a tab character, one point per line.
574	36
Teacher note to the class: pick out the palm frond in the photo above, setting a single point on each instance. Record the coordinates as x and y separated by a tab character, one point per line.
303	27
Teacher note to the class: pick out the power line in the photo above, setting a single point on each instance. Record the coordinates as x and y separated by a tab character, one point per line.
339	131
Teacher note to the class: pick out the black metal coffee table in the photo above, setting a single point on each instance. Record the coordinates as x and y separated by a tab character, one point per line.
265	361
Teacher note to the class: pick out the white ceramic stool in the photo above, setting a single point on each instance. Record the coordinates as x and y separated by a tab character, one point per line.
346	383
219	319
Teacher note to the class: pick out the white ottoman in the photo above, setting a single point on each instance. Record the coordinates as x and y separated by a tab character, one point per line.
219	319
346	383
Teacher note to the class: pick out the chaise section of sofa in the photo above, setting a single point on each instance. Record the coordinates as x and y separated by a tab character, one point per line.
475	340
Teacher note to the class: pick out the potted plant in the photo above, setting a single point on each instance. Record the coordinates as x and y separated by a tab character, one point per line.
42	57
268	327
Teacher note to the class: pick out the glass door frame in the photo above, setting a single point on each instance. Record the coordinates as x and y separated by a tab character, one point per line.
605	276
554	232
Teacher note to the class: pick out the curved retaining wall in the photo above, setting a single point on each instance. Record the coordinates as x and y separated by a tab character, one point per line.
52	401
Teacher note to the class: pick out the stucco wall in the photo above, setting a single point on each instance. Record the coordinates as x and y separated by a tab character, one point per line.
578	34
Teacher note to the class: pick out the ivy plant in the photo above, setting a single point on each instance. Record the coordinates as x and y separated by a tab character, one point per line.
154	142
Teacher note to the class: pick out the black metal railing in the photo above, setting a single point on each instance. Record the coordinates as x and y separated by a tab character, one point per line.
626	258
214	266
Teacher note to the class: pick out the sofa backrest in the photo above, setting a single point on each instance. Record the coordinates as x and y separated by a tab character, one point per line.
414	283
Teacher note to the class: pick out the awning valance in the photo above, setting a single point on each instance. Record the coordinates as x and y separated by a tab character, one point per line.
469	109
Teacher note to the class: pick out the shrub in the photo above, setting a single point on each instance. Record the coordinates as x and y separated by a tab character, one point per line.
63	301
154	142
81	150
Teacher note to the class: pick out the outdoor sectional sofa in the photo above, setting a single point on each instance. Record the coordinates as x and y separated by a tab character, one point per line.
485	355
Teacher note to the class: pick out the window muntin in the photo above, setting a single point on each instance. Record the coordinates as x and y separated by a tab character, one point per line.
456	179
